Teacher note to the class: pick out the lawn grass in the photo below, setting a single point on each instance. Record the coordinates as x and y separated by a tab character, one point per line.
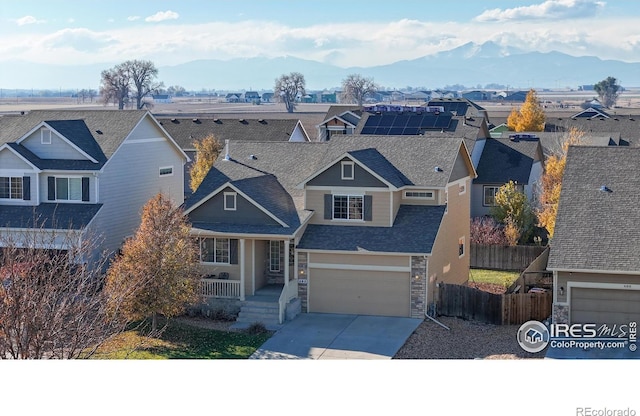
499	277
182	341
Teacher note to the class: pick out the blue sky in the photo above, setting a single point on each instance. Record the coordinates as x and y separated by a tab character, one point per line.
343	33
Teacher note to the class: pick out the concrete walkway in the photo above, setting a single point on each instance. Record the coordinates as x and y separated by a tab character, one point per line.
331	336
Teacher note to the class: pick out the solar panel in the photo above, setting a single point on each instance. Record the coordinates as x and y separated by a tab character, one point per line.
383	131
414	121
372	121
401	120
411	131
396	131
387	120
368	130
428	122
442	121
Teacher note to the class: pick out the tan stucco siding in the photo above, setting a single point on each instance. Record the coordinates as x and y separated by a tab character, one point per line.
445	265
357	292
232	269
381	207
359	259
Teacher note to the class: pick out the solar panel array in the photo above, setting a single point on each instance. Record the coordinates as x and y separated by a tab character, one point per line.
459	107
405	124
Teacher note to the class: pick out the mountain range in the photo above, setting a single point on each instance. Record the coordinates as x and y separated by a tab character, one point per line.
471	65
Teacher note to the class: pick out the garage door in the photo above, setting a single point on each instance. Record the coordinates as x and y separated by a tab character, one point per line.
359	292
604	306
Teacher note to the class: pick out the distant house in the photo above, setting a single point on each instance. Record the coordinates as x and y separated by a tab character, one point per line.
514	97
233	97
329	97
252	97
161	98
479	95
267	97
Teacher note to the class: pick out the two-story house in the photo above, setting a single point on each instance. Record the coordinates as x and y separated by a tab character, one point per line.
361	225
85	172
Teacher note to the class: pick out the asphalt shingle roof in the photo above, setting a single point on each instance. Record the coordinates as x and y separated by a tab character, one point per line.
48	216
62	164
414	231
505	160
598	229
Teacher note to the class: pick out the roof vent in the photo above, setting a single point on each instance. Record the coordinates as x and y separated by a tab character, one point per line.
260	120
241	120
196	120
253	157
438	169
227	156
99	131
216	120
173	120
604	188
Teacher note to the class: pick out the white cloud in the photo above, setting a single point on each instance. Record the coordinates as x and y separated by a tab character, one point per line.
28	20
133	18
162	16
548	10
80	39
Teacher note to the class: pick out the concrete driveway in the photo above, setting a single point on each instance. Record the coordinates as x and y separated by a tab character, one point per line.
320	336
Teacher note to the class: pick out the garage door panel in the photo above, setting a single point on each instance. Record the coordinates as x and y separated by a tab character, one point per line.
359	292
610	306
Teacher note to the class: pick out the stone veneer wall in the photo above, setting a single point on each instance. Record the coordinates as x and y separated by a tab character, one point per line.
560	314
418	286
302	286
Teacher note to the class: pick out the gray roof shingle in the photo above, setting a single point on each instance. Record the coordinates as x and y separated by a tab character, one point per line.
505	160
48	216
414	231
596	229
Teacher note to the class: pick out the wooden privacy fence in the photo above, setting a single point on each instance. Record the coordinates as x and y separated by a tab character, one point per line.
503	257
508	309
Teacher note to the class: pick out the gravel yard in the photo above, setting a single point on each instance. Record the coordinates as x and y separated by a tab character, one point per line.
465	340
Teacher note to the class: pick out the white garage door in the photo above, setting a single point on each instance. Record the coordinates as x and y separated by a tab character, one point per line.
604	306
359	292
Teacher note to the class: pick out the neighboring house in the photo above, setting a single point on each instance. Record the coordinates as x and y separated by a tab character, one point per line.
267	97
363	225
89	171
233	97
479	95
161	98
594	250
518	158
340	119
552	142
252	97
185	131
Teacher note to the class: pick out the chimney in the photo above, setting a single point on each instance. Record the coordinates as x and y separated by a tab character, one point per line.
227	156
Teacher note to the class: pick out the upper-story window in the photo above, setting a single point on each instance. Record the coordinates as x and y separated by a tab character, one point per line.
419	194
348	207
45	136
10	188
460	246
347	170
230	201
69	189
462	189
166	171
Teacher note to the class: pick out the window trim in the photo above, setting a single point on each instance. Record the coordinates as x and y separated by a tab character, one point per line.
170	173
215	243
68	193
235	201
462	189
21	196
484	195
351	164
461	247
275	244
348	196
430	198
44	130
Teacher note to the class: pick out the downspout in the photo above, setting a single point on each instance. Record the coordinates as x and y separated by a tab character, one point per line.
434	319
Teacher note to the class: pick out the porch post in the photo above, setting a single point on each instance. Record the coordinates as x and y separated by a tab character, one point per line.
253	267
286	264
242	277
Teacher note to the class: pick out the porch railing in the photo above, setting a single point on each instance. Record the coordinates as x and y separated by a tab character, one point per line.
285	296
220	288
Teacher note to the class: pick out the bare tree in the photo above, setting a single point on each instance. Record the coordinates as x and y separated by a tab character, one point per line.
287	89
136	77
143	78
355	88
115	85
51	302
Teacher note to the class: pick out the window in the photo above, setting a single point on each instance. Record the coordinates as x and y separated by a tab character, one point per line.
347	207
229	201
274	255
461	247
347	170
69	189
45	136
10	188
166	171
419	194
214	250
462	189
490	195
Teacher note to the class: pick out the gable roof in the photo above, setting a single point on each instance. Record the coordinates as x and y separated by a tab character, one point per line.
185	131
403	237
598	229
505	160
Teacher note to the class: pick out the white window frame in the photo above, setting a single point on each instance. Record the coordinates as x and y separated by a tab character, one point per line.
484	195
43	136
352	166
230	207
349	197
215	254
21	196
165	168
68	194
461	245
417	195
274	249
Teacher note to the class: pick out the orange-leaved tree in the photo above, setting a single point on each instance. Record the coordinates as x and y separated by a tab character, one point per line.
551	181
158	267
530	117
207	151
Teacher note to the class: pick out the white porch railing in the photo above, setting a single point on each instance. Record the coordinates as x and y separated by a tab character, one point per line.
286	295
220	288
